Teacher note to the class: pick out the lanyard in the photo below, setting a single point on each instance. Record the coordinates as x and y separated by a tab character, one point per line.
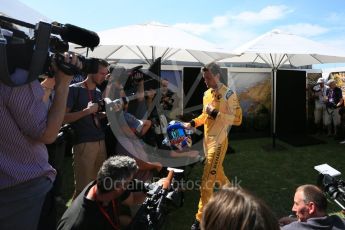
114	224
88	92
106	215
94	117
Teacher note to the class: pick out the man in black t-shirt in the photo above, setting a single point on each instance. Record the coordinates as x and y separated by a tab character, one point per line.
97	206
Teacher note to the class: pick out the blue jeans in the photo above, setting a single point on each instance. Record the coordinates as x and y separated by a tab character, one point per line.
20	205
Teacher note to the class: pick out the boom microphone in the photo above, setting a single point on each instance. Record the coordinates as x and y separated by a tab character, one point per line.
77	35
68	32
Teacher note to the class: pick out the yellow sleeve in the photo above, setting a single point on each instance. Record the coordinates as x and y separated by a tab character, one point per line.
231	113
200	120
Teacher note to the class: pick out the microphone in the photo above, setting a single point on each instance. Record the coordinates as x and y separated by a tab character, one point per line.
68	32
77	35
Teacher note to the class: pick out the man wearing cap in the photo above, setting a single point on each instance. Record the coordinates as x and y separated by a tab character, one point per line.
221	109
334	102
319	93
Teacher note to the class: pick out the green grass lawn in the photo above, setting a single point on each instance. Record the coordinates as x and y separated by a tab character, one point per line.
271	175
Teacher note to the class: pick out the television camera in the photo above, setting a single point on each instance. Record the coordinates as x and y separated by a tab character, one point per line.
333	187
159	202
36	54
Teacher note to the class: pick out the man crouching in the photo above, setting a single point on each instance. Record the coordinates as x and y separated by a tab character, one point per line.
97	206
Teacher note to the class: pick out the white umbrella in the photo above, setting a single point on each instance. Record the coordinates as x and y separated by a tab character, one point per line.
20	11
146	42
327	71
277	48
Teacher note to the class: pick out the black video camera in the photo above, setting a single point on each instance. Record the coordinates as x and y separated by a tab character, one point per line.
161	199
48	43
66	134
333	188
331	105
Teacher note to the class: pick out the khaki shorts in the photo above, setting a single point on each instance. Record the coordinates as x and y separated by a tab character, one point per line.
332	115
88	158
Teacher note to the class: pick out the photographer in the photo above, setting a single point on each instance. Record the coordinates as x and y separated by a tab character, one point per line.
135	87
310	206
25	174
129	132
82	111
128	128
169	101
334	102
97	207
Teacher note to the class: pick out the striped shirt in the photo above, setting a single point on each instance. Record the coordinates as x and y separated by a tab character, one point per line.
23	119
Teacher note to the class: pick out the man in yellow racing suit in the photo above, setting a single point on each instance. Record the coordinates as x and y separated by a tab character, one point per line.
221	109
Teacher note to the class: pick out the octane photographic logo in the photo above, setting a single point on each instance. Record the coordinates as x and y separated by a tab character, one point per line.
127	131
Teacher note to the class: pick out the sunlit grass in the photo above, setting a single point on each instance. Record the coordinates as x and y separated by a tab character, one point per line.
271	175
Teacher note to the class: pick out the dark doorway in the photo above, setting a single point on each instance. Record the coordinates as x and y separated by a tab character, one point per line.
194	88
291	109
291	102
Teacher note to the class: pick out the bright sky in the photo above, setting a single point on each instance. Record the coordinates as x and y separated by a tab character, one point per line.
229	23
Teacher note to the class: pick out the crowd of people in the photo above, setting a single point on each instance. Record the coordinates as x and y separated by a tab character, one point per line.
329	112
42	107
33	113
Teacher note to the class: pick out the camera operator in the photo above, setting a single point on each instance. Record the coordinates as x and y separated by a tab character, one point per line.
82	111
27	125
310	206
56	154
97	207
334	102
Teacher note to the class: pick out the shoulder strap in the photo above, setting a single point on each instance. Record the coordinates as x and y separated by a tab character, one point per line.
76	99
41	50
76	102
5	76
39	55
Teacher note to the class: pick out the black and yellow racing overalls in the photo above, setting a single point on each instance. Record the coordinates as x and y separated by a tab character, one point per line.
216	128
